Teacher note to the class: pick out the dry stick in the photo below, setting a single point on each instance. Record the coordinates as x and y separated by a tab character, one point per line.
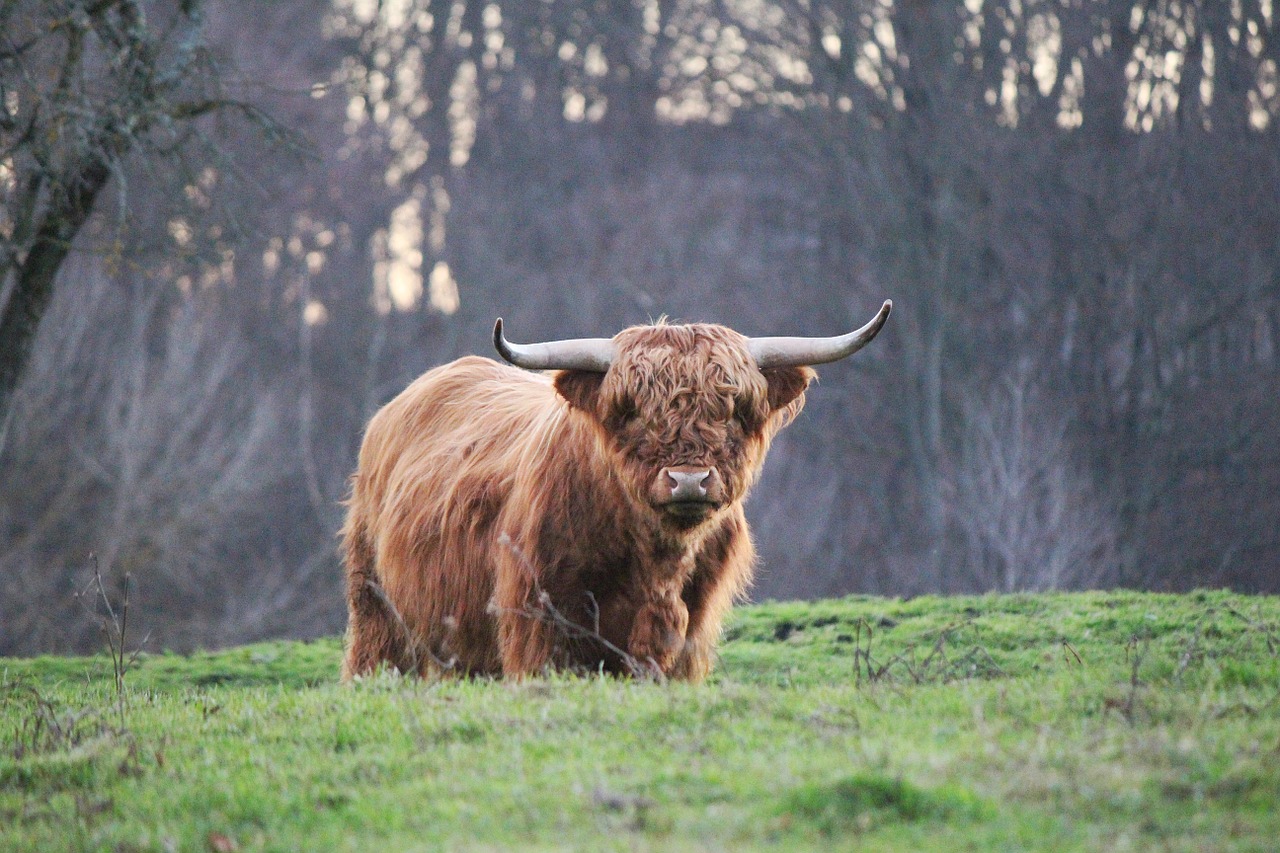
972	655
45	729
900	658
918	675
861	655
410	643
1188	654
1074	653
875	673
939	647
115	628
1265	630
124	626
918	671
109	625
550	615
1134	683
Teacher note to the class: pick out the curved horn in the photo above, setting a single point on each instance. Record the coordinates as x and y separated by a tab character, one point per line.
794	352
592	354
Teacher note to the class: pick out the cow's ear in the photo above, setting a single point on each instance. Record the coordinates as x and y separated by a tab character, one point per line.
581	388
786	384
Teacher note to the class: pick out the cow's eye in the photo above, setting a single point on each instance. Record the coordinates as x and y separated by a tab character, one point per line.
743	414
626	411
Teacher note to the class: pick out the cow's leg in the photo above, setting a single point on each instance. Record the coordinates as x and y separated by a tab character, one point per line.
658	633
723	575
526	629
707	608
373	633
526	644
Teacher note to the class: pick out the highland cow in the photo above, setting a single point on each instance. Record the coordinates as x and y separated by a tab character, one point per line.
504	521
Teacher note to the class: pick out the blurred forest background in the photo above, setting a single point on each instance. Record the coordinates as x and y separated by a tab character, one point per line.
244	226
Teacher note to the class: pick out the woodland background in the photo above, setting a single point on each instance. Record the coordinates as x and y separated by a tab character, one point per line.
255	222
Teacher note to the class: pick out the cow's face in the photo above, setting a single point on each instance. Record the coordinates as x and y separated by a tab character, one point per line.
687	415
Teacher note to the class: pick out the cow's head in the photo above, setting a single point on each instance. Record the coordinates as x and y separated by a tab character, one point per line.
688	411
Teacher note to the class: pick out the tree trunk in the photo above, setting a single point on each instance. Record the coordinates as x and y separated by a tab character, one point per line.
35	274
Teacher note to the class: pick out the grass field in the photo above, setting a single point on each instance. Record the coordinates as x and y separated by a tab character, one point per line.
1097	721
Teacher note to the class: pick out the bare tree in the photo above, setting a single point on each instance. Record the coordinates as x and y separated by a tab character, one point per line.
1027	512
83	85
146	438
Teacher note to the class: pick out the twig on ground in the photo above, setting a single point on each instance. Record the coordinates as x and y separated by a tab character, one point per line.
46	729
1267	631
935	665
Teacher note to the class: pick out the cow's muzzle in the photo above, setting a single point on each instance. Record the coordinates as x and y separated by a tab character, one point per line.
688	491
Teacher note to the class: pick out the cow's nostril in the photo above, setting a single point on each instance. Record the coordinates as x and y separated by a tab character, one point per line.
688	485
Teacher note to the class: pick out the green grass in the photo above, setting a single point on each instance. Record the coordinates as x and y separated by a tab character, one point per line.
1100	721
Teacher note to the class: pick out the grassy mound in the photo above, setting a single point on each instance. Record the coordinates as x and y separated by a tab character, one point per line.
1051	722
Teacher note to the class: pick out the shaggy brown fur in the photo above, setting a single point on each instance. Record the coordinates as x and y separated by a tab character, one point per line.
500	521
